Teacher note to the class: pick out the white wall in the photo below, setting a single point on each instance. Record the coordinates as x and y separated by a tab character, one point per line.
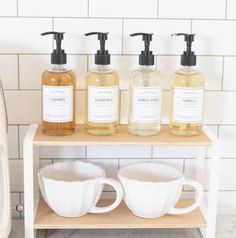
24	54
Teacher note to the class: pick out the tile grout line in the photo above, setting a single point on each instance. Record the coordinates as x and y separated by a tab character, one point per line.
119	55
18	138
222	76
88	8
18	72
158	6
191	26
118	18
184	164
53	24
21	213
218	131
19	201
122	37
87	59
226	9
17	8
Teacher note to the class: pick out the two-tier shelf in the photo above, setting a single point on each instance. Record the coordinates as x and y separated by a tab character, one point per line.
39	216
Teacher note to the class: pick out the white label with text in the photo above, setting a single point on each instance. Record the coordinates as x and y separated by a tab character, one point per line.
57	103
146	104
187	105
102	104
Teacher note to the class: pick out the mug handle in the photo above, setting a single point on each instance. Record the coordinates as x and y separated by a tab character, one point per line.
119	196
198	198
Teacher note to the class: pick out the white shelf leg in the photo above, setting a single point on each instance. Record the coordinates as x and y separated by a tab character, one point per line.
210	212
31	190
201	166
201	178
213	191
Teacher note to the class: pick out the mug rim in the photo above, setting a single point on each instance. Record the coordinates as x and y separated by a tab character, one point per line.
44	177
120	175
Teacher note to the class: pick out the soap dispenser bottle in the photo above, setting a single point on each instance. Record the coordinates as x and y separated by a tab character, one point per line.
102	93
187	90
58	93
145	94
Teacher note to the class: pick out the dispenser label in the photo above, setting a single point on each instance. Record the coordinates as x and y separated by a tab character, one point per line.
103	104
146	103
187	105
57	103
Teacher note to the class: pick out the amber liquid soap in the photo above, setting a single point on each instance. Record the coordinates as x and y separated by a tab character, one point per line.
64	81
102	101
102	93
186	116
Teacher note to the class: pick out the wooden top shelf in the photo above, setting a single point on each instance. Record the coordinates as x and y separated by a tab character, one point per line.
81	137
120	218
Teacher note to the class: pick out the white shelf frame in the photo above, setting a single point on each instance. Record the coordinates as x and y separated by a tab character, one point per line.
208	209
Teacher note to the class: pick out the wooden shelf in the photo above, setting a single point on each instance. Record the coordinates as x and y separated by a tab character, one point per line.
120	218
81	138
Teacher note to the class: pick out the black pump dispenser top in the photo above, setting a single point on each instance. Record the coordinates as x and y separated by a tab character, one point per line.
146	57
188	58
102	56
58	56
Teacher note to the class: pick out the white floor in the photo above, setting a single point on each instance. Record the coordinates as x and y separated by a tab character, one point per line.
226	228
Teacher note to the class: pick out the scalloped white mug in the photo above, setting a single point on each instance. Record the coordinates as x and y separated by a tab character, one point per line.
152	190
72	189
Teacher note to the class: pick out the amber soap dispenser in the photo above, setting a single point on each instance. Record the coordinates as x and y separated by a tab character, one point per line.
187	90
58	93
102	93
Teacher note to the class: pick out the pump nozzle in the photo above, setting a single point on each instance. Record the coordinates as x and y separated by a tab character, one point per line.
188	58
58	56
102	56
146	57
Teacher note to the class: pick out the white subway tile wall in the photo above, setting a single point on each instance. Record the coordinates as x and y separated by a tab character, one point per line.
231	9
22	35
229	75
53	8
9	74
215	37
192	9
23	107
123	8
24	55
8	8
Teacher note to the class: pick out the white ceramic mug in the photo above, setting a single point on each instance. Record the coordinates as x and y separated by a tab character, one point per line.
152	190
72	189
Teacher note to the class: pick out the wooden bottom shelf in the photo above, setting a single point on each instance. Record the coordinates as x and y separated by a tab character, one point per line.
120	218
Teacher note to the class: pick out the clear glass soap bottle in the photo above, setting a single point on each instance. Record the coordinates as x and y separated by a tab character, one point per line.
187	94
145	94
58	93
102	94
